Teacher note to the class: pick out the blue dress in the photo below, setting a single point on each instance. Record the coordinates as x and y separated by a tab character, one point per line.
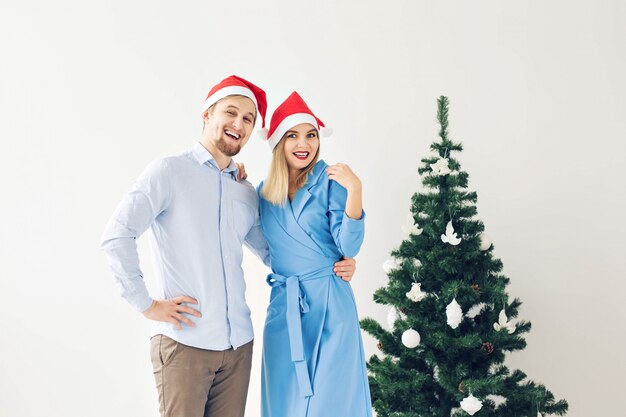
313	360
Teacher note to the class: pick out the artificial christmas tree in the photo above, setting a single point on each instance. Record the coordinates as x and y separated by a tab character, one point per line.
451	320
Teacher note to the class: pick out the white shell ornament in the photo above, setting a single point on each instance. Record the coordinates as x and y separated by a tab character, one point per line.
454	314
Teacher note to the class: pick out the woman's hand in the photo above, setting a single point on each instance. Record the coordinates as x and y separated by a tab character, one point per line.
348	180
241	174
344	176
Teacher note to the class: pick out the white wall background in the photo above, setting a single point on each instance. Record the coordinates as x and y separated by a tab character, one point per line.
90	92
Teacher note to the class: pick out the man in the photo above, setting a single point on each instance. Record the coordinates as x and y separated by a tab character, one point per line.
199	217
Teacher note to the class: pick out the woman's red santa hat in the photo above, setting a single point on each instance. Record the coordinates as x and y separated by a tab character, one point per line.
291	112
234	85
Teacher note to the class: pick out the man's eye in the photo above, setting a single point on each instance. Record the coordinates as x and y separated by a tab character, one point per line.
232	113
247	120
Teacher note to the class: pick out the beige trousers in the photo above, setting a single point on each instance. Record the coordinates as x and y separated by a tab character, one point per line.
196	382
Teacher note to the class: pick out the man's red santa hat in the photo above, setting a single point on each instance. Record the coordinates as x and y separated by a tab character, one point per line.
235	85
291	112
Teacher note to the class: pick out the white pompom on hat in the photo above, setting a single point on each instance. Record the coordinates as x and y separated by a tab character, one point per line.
291	112
235	85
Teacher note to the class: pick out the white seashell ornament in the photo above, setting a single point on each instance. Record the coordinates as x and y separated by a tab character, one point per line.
454	314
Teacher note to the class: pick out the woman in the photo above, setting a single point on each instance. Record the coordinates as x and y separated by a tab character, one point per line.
311	216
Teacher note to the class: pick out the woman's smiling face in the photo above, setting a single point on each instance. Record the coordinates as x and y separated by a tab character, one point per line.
301	145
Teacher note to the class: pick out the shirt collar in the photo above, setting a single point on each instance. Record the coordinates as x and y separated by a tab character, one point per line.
204	157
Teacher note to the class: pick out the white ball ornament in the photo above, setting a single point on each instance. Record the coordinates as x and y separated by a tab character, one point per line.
485	242
411	338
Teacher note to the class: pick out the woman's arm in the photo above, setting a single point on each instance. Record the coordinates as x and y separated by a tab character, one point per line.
345	210
348	180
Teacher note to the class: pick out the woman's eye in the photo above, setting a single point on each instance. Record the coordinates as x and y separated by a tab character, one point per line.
312	135
291	135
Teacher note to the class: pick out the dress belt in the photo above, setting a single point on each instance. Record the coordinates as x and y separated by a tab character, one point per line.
297	305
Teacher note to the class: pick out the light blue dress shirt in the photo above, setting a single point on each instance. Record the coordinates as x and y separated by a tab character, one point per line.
199	218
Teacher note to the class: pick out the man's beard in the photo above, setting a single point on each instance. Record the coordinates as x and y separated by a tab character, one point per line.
228	149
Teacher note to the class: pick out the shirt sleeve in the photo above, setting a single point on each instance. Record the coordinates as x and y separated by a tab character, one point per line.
255	241
347	233
148	199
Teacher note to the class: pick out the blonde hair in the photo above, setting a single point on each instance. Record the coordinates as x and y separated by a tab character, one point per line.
276	186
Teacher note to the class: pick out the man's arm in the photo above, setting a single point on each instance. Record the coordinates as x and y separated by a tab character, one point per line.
345	268
255	241
148	199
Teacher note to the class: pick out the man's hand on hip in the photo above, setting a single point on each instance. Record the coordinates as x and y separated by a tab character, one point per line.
170	311
345	268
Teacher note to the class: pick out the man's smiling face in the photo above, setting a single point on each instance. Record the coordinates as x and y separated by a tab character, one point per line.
229	123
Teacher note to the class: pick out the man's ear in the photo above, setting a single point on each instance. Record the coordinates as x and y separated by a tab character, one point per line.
205	116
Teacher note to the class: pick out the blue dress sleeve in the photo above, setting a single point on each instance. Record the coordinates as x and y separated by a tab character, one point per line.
347	233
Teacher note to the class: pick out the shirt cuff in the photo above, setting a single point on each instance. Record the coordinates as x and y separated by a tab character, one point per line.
140	301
